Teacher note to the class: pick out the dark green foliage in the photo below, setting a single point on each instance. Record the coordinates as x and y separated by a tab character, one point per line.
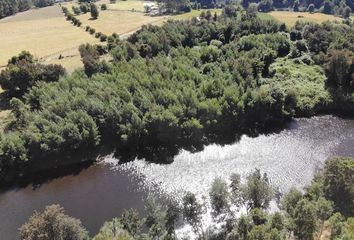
92	31
10	7
94	11
90	57
98	34
104	7
76	10
182	85
257	192
23	72
265	5
43	3
103	37
131	222
305	220
290	200
219	197
192	211
339	184
84	7
340	70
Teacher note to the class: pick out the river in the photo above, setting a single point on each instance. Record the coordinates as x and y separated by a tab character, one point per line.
102	191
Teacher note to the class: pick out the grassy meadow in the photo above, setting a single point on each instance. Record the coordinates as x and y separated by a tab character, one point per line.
290	18
46	34
120	22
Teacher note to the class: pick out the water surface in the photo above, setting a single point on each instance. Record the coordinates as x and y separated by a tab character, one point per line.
103	191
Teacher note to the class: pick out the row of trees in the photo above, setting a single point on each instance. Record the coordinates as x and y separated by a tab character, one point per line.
302	215
84	8
342	8
10	7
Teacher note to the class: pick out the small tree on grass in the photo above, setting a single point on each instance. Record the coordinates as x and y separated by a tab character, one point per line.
98	35
94	11
92	31
76	10
104	7
84	7
103	37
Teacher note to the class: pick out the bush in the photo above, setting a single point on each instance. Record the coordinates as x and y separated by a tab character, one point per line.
98	35
84	7
103	37
92	31
87	28
104	7
76	10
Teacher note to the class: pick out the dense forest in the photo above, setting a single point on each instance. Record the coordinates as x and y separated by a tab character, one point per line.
324	210
182	85
342	8
10	7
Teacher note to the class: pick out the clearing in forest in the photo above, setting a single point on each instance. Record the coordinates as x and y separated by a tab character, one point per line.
290	18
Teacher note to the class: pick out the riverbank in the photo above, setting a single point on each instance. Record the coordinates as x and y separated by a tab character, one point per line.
103	190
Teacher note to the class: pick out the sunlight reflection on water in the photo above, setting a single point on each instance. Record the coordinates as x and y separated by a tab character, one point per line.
290	158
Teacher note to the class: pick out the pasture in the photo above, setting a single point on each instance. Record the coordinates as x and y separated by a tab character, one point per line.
290	18
120	22
45	33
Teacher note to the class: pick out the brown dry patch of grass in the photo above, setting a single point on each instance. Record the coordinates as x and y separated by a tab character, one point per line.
128	5
120	22
43	37
290	18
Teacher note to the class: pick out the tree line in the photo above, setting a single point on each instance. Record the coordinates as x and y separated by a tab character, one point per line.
10	7
326	203
340	8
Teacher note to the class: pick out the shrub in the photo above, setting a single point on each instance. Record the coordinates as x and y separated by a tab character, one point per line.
98	35
84	7
103	37
92	31
87	28
104	7
76	10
